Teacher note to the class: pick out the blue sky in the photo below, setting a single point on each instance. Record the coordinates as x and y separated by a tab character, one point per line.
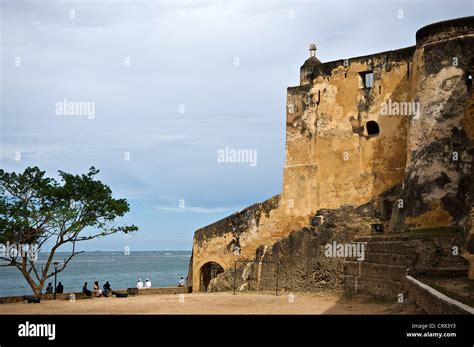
173	82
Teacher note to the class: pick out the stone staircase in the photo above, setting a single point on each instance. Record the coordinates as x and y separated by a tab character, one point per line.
388	259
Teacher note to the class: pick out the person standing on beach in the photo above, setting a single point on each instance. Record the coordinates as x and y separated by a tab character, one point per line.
148	283
140	284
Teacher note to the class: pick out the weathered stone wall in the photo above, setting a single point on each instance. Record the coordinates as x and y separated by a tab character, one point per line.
325	122
332	160
302	264
432	301
388	258
160	291
437	187
238	236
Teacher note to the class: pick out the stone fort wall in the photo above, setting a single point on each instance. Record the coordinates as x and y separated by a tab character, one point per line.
348	144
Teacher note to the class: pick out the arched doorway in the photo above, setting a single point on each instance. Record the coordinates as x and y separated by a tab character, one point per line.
209	271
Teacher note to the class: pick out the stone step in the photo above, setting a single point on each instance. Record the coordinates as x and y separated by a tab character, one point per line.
375	271
461	271
447	232
394	247
386	258
376	238
385	289
385	238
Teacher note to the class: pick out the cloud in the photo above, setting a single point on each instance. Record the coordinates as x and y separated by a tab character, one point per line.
181	53
192	209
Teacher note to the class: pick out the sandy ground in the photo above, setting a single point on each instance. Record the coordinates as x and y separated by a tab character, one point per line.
213	303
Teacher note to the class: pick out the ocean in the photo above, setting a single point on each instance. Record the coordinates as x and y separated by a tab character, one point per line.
163	268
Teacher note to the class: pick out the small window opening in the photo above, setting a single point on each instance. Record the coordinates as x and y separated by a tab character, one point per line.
367	79
408	70
377	227
380	90
345	74
372	128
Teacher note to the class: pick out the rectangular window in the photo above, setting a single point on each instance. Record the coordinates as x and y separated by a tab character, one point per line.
367	79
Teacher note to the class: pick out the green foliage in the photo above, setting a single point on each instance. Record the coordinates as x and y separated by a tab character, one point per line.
35	208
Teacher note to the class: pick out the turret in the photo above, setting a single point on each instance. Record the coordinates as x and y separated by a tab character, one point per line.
306	71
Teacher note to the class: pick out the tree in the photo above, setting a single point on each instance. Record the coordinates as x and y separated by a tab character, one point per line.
37	211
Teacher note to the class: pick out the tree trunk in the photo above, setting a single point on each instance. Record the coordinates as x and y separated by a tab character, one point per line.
36	288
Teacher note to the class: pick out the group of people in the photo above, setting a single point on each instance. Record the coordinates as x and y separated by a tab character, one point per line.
96	291
106	288
59	288
140	284
105	291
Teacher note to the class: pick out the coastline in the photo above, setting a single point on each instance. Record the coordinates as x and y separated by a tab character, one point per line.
163	268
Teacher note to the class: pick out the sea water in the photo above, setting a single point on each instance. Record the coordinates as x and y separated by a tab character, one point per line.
163	268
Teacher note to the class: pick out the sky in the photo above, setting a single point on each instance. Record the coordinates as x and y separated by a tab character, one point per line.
169	85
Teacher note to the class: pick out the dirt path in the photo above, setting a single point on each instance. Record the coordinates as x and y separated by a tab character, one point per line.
213	303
